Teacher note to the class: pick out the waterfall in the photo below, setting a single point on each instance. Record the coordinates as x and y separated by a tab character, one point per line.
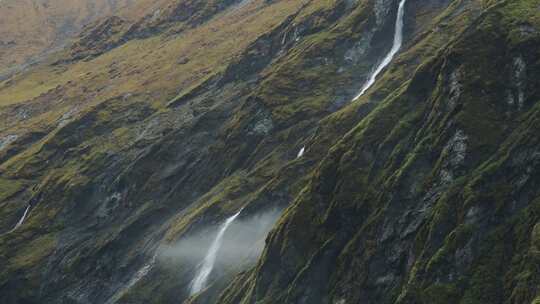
141	273
301	152
208	263
21	220
398	40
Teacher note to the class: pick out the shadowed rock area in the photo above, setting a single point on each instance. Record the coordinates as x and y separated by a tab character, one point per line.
171	131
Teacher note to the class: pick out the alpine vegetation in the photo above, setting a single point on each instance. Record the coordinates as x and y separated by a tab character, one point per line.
133	131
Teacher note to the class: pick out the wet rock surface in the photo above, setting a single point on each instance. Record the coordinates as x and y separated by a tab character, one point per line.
414	193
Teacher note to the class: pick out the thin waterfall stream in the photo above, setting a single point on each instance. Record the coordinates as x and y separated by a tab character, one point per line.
21	220
301	152
210	259
398	41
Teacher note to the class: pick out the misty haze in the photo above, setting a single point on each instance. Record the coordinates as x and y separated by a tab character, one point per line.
269	151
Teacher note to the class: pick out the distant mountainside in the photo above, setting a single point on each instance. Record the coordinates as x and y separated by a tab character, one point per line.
31	28
270	152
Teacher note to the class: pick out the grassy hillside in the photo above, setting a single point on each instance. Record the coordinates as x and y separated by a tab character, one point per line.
165	126
30	28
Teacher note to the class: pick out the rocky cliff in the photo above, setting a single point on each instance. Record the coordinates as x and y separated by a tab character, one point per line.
123	155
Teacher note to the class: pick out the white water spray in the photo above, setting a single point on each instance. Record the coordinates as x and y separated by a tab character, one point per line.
398	41
21	220
301	152
209	260
141	273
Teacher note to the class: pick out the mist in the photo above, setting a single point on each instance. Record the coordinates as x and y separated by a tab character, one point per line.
242	243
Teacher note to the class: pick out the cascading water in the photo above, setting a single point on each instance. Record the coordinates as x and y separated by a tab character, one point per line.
301	152
141	273
398	40
209	260
21	220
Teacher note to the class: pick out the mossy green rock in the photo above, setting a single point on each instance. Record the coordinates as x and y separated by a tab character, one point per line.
424	190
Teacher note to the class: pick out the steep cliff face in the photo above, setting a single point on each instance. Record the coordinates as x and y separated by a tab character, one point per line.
123	155
422	200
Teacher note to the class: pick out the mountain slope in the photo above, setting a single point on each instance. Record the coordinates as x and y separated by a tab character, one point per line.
146	135
29	29
424	210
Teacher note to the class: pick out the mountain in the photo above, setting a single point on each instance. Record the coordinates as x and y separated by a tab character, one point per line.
31	29
190	151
